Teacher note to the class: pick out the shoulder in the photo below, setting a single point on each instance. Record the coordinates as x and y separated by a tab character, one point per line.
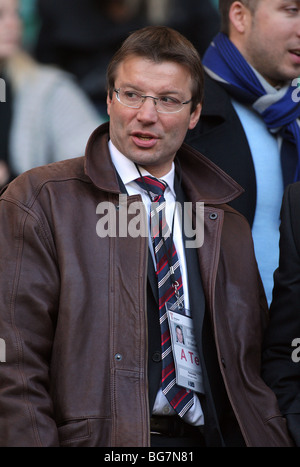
42	79
48	77
26	188
217	109
290	219
292	193
24	70
216	98
291	201
290	210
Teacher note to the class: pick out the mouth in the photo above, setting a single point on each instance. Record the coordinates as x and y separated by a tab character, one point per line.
295	52
144	139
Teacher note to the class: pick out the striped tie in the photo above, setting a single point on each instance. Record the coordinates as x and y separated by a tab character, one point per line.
181	399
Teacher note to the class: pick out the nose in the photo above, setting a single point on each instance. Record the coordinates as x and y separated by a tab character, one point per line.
147	112
13	22
297	25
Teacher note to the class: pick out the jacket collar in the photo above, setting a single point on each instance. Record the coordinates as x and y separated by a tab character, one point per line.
202	180
218	99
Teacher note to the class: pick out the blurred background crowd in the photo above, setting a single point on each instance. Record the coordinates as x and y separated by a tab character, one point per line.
53	60
80	36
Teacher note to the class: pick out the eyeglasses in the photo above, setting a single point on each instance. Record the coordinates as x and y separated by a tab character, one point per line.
163	104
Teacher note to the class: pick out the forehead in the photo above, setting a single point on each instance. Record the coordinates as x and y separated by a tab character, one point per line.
275	3
9	3
141	71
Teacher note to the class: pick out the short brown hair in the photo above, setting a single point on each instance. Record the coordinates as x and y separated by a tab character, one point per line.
224	7
160	43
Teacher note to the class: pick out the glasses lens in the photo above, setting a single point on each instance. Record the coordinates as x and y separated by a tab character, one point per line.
168	105
164	104
130	98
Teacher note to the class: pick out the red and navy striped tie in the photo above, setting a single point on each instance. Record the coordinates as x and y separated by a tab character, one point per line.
181	399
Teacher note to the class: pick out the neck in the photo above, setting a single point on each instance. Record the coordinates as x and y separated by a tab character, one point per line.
239	42
157	171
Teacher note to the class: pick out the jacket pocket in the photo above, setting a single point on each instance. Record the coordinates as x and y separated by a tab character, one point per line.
75	430
279	435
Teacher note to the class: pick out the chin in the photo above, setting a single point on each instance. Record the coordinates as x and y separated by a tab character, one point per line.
8	51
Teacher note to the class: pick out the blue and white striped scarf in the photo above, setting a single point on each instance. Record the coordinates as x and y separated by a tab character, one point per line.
280	110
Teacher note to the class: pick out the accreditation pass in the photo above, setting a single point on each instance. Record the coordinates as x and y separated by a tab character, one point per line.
186	356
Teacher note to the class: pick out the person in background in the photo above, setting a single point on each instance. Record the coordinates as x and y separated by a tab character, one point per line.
44	115
249	125
281	348
86	293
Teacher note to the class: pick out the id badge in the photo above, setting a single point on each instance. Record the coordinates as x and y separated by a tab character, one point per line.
186	357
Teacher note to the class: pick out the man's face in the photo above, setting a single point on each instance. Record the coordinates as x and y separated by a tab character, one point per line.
179	335
143	135
271	43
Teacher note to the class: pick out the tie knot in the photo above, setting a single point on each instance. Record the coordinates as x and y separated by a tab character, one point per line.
155	186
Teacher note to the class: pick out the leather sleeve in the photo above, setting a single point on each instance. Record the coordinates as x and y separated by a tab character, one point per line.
28	281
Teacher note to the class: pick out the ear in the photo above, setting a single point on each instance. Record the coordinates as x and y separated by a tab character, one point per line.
195	117
238	16
108	102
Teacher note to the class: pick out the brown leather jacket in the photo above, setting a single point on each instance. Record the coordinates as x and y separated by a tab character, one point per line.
73	314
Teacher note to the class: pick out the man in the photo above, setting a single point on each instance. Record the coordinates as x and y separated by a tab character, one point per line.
84	316
281	356
249	125
179	334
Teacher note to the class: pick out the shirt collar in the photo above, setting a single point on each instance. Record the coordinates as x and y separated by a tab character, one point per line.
128	172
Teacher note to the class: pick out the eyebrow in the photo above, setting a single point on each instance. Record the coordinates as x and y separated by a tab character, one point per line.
139	89
290	1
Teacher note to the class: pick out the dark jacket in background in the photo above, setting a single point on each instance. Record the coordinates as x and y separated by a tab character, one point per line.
281	369
219	135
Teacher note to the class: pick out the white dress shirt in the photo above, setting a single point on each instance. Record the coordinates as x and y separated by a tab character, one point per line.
128	173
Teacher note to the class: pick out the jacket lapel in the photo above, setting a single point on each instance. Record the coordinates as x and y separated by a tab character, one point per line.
196	294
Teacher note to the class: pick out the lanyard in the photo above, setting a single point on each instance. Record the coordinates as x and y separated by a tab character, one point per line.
175	283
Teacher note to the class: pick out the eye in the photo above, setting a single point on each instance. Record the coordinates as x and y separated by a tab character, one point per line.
132	96
292	10
169	101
